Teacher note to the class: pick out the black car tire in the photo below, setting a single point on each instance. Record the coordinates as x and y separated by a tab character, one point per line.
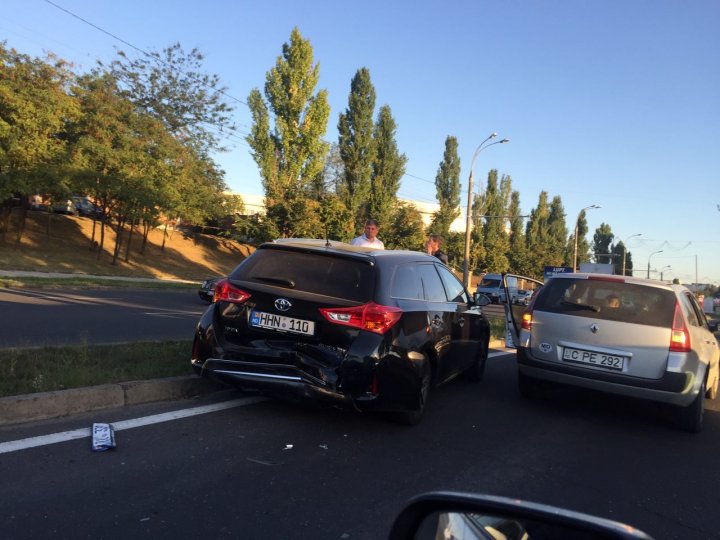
476	371
529	387
690	418
413	417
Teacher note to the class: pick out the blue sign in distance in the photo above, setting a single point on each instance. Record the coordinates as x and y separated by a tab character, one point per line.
552	270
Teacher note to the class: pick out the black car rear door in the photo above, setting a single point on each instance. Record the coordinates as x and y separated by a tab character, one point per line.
450	321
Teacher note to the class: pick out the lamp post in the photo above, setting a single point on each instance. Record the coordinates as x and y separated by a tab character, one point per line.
577	224
468	219
625	249
650	257
662	270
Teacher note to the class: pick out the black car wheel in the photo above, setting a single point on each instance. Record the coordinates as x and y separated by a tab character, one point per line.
413	417
477	369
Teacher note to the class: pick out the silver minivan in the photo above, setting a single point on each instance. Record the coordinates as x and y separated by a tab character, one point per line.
630	336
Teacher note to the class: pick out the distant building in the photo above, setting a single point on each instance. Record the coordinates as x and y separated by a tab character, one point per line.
255	204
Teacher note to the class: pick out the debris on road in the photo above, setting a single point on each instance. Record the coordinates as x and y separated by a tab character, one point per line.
103	437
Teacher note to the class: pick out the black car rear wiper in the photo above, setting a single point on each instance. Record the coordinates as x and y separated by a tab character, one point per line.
280	281
585	307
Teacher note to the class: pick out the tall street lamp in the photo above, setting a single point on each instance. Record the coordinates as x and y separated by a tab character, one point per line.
650	257
663	270
577	224
468	219
625	249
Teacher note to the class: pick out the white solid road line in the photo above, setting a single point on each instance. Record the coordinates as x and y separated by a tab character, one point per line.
32	442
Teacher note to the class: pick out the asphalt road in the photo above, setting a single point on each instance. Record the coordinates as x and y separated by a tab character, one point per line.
37	317
278	470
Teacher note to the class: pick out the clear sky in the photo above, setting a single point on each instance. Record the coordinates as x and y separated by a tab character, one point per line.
607	102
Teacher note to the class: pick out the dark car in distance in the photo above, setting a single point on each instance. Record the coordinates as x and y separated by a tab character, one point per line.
372	330
207	289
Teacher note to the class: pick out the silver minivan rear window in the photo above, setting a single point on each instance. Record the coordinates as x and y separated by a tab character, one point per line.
612	300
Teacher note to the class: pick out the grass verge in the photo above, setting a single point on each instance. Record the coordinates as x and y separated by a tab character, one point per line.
26	371
89	283
497	328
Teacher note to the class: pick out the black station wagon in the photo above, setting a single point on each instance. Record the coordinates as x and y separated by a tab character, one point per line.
345	325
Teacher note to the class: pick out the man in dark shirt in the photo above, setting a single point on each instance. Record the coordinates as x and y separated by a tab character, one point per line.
433	246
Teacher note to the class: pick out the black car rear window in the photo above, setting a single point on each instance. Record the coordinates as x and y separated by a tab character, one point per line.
309	272
608	300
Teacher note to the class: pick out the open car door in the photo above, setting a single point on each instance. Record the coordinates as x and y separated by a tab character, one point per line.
520	292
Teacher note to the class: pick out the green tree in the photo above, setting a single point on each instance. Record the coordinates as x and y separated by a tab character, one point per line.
477	234
617	251
583	247
388	167
557	233
173	87
602	239
517	256
291	155
112	152
536	236
496	240
406	229
447	188
357	148
335	218
35	109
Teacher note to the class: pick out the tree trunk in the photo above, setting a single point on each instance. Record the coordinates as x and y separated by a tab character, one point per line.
146	233
102	240
130	235
21	225
4	222
118	239
164	235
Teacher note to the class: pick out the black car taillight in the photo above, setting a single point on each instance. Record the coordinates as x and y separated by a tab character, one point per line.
372	317
226	292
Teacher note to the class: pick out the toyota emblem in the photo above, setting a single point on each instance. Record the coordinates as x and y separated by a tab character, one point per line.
594	328
282	304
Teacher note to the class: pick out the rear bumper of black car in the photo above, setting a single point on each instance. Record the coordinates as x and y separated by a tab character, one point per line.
362	383
276	379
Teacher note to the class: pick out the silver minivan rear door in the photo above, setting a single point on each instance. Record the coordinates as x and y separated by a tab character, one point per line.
514	310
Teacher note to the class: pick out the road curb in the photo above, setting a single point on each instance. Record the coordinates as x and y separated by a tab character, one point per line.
47	405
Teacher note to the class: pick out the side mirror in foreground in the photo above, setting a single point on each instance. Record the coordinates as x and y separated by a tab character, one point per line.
464	516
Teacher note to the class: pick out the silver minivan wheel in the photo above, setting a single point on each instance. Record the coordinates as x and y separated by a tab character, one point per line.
690	418
712	391
529	387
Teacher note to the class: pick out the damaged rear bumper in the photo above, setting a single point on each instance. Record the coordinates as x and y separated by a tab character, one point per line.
277	379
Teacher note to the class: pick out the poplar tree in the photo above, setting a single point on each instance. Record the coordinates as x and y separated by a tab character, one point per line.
496	240
447	187
517	255
388	168
602	239
357	148
536	235
583	247
557	233
291	154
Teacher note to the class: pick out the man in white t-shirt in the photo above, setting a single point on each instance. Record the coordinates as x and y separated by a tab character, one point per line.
369	237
